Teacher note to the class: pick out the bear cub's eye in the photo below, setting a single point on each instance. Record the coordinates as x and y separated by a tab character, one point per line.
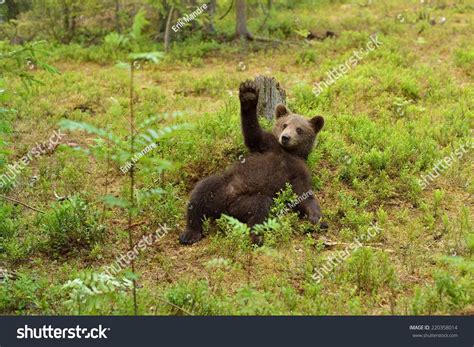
284	126
299	131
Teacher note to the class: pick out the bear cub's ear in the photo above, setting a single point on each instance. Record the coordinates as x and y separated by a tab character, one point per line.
281	111
317	123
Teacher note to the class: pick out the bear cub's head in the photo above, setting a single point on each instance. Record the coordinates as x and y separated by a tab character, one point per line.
296	134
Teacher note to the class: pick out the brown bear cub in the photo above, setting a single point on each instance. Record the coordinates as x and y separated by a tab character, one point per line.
246	190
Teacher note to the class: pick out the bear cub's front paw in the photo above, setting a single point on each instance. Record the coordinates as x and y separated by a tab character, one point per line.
248	94
188	237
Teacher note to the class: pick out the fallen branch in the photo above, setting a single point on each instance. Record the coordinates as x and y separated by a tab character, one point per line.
20	203
134	225
175	306
250	37
331	244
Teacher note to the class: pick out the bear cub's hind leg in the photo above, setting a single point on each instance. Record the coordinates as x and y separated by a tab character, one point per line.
206	202
252	209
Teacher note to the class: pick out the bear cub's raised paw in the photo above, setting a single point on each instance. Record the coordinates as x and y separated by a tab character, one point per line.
248	94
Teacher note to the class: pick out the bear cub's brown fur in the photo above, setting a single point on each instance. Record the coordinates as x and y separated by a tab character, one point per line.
246	190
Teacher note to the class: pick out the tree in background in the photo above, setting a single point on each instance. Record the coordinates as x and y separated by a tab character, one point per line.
241	30
12	9
91	21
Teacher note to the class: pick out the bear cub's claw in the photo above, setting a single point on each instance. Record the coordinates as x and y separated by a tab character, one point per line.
189	237
248	93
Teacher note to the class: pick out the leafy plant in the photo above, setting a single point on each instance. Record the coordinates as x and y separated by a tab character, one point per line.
191	298
128	42
93	293
282	201
370	270
18	295
71	226
15	63
139	23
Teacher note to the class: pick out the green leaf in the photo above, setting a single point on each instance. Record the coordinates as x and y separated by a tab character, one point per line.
73	125
154	57
139	23
47	67
130	275
122	65
114	201
149	193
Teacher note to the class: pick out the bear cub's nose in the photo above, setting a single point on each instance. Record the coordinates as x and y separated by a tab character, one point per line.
285	139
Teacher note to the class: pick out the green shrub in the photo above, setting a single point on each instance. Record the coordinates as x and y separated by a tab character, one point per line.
370	270
464	58
250	301
94	293
24	294
71	226
192	48
8	225
14	244
451	291
192	297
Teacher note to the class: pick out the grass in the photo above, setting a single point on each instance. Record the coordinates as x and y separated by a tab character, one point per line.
405	106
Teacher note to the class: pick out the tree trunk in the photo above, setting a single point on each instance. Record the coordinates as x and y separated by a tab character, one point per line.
69	22
212	11
167	30
241	30
66	13
12	9
271	94
118	28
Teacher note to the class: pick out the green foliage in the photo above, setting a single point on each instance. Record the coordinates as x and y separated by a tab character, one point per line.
14	246
388	121
8	224
92	293
464	58
71	226
18	295
452	290
120	152
281	202
139	23
237	237
16	62
196	298
193	297
251	302
307	57
211	85
114	43
370	270
189	50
